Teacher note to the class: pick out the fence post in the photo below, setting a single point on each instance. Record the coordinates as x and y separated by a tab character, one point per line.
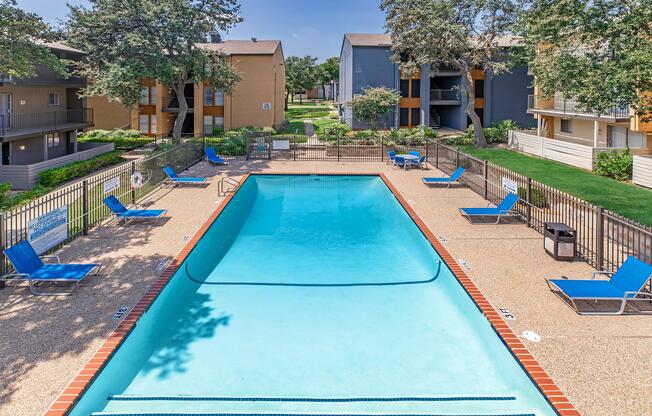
133	190
294	150
599	232
338	148
457	157
2	247
269	147
436	155
85	212
485	173
528	199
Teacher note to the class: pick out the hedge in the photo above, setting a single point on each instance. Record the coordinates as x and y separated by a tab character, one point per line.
57	176
123	139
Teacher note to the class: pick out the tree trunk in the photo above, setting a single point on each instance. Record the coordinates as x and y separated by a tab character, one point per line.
300	99
323	90
467	86
287	97
179	89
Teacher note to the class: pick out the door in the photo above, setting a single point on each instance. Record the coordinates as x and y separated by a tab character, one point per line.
5	110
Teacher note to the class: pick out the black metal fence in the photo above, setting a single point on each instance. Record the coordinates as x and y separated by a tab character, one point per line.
604	238
83	199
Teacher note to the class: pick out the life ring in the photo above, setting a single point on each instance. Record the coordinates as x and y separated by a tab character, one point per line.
137	180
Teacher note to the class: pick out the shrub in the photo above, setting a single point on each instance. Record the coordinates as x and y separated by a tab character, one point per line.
217	131
496	133
538	197
615	164
122	139
336	130
57	176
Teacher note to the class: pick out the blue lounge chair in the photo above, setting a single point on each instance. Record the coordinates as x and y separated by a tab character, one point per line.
212	157
502	210
391	154
454	179
29	266
399	161
414	153
173	178
121	212
420	162
625	285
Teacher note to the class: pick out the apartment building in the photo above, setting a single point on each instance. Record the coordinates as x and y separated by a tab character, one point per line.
39	121
428	98
258	99
562	119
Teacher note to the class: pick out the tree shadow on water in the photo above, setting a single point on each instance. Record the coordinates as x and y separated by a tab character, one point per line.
192	323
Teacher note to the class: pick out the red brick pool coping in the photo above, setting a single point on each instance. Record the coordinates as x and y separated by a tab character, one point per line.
69	397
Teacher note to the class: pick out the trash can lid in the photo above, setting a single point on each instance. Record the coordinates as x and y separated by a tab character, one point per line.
560	226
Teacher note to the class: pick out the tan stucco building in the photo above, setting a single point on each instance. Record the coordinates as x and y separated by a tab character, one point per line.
257	101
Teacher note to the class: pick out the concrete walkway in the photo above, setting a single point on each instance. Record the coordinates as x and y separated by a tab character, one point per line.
309	128
602	363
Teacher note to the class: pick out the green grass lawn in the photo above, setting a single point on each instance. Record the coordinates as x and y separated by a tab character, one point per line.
297	113
624	198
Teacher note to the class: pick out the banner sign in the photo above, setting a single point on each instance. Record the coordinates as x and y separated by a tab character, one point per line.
281	145
510	185
111	184
48	230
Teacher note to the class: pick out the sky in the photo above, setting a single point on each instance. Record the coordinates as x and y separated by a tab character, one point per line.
305	27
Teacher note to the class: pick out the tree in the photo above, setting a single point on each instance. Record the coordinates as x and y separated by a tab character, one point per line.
444	34
328	71
300	75
22	38
598	52
374	102
131	40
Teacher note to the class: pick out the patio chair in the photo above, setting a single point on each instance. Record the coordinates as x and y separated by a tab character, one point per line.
29	266
391	155
625	285
211	156
502	210
420	162
400	161
173	178
414	153
121	212
454	179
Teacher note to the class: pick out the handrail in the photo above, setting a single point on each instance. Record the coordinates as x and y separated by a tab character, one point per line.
235	184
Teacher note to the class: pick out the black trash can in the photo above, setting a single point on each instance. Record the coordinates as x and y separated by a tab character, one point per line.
560	241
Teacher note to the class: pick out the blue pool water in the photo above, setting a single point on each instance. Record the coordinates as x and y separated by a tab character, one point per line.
313	295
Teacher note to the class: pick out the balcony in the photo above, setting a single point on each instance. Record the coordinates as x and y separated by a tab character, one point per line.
562	106
16	126
44	76
171	104
449	96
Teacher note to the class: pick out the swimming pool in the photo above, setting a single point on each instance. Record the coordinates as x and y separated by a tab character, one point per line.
313	295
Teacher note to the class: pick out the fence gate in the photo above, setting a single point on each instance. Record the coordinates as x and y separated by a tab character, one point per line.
259	145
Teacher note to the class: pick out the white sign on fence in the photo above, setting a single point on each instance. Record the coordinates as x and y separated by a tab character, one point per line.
48	230
281	144
111	184
510	185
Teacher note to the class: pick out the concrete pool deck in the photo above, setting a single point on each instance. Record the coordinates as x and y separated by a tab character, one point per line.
601	363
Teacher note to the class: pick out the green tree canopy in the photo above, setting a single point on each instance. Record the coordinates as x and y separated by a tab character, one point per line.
22	37
131	40
598	52
328	71
300	74
457	34
374	102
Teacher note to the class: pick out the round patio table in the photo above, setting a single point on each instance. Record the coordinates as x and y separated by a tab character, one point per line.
408	157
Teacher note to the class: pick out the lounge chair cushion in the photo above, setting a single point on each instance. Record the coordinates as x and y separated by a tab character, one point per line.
480	211
188	179
591	289
438	180
142	213
62	271
23	257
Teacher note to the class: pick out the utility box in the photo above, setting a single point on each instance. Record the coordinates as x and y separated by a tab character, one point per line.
560	241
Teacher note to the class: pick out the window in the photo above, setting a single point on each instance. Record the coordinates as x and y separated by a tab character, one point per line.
208	96
213	97
213	122
478	88
405	88
404	117
52	139
566	126
53	98
144	96
152	124
148	123
416	88
416	117
219	97
152	95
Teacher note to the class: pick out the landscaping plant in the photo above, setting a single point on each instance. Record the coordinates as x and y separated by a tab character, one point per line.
615	164
373	103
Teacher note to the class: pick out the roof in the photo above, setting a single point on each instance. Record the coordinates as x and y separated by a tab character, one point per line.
60	46
369	39
243	47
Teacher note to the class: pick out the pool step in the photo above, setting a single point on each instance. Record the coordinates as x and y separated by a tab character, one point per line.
450	398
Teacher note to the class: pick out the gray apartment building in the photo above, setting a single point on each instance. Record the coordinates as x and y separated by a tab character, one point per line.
39	121
430	99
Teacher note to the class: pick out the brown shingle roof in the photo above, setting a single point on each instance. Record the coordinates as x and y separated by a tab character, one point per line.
243	47
369	39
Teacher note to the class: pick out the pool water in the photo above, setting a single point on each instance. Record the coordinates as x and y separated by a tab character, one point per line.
313	295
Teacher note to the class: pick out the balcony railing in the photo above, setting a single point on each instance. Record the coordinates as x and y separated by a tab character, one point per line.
444	95
44	76
171	102
50	120
568	106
